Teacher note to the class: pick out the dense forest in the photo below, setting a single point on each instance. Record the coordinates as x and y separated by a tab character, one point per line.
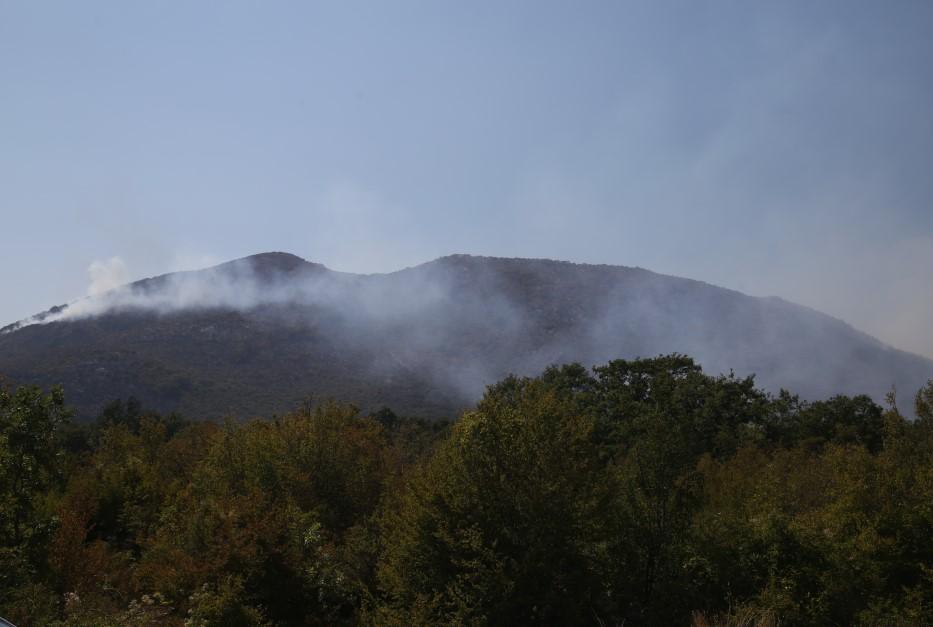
643	492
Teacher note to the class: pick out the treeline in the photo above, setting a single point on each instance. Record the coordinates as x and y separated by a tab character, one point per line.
643	492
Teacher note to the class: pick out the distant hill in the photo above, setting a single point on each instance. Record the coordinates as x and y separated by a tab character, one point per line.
259	335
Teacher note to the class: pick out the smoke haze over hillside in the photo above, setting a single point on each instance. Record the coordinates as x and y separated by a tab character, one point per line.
777	150
447	328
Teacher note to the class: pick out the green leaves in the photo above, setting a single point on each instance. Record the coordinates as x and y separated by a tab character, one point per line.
642	492
497	526
30	457
923	403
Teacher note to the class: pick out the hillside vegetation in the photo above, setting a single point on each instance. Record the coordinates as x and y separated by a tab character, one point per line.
262	334
643	492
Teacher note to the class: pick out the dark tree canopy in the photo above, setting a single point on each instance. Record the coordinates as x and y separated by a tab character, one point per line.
642	492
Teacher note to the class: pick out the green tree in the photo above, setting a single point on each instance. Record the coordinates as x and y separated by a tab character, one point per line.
30	470
30	456
283	507
923	402
505	524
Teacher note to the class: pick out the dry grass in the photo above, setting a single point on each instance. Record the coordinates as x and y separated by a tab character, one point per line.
739	618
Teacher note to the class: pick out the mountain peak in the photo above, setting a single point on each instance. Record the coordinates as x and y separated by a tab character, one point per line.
276	261
270	264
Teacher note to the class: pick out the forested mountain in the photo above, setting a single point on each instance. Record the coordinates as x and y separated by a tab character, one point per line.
262	334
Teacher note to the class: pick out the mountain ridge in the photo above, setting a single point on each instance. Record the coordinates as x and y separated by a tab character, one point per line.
256	335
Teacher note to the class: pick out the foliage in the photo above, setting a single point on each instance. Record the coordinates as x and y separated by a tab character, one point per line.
500	524
643	492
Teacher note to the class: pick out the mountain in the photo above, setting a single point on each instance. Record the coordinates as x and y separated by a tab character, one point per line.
260	335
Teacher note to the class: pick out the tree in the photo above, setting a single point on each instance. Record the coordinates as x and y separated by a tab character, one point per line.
30	468
30	456
506	523
839	420
713	414
282	507
923	403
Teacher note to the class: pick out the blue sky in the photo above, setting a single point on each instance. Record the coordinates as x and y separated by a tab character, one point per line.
776	148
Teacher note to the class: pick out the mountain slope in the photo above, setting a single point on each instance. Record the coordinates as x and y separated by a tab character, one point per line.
260	334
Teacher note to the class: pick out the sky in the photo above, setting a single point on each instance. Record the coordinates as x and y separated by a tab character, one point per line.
776	148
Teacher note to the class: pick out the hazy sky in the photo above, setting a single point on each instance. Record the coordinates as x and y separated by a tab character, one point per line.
778	148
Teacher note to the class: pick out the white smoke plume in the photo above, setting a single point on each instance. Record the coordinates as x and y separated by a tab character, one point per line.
107	274
466	322
241	285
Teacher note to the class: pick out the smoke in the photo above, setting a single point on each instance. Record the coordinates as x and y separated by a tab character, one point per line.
106	275
460	323
429	320
246	284
881	289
